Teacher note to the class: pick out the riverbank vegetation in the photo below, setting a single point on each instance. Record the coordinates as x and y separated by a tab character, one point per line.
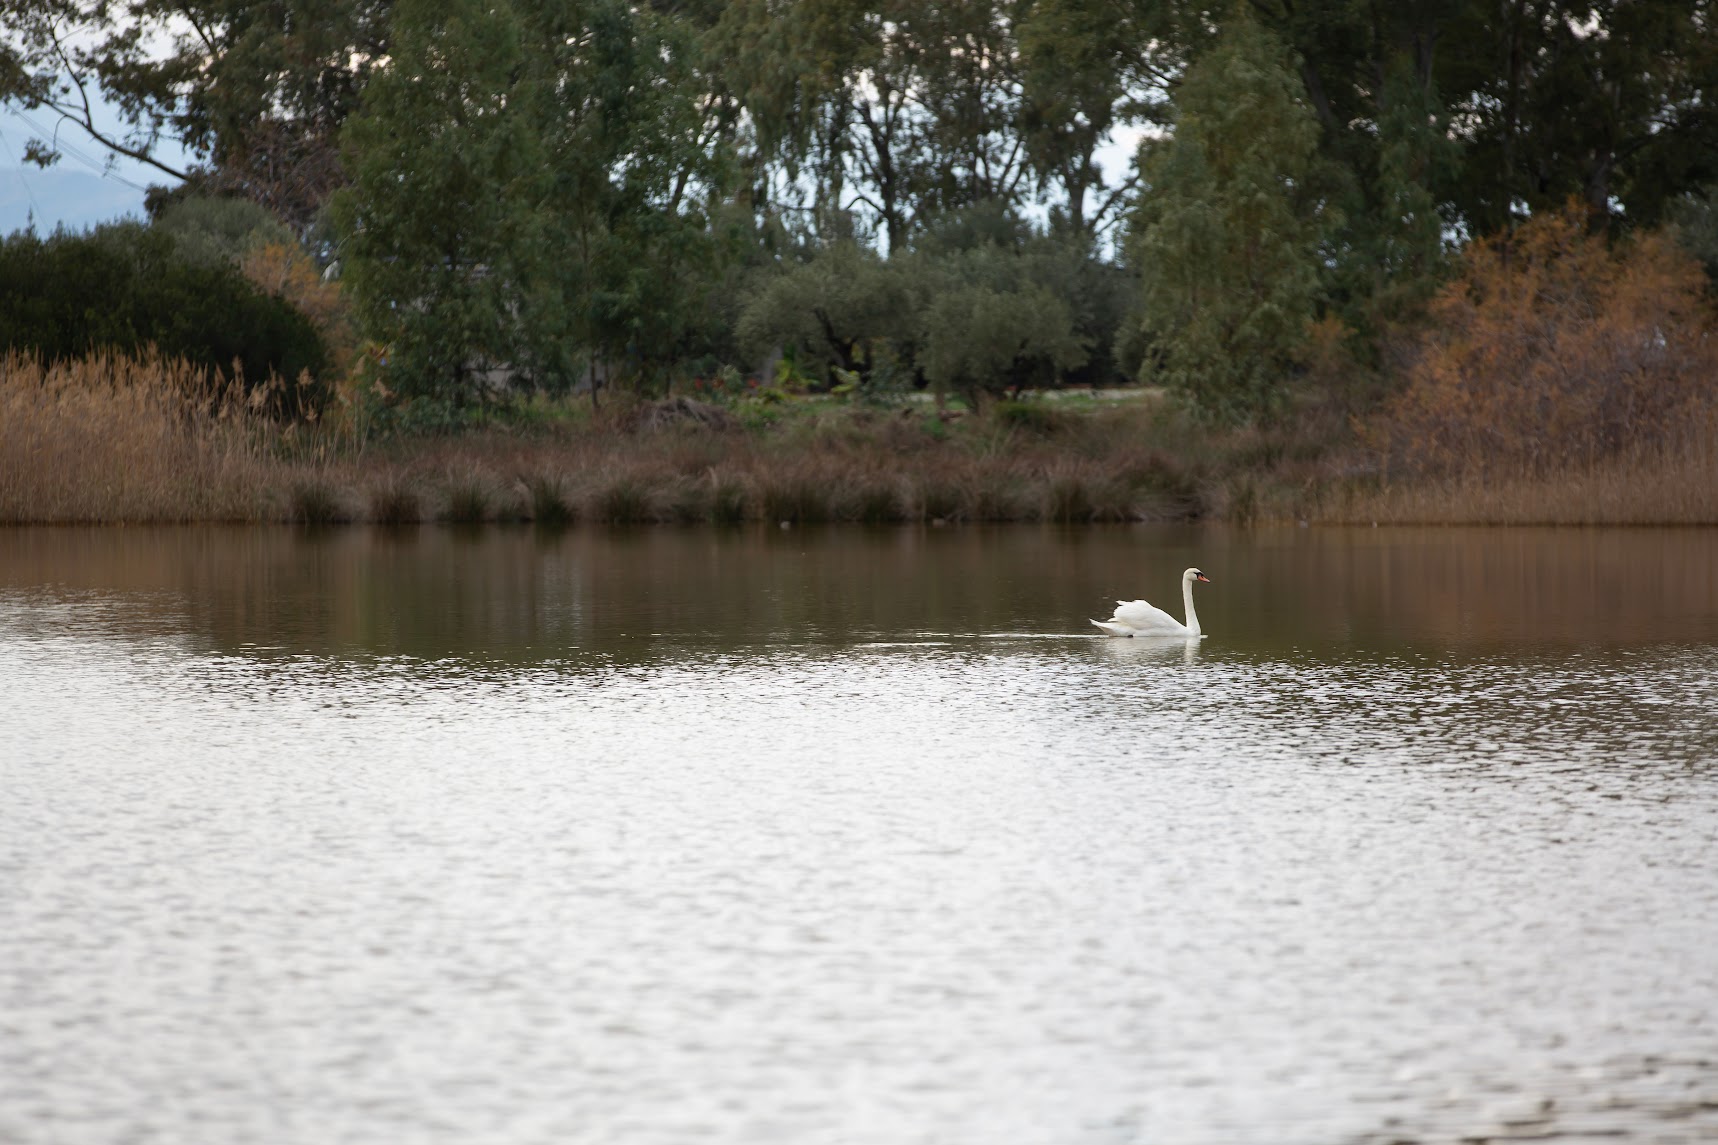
808	261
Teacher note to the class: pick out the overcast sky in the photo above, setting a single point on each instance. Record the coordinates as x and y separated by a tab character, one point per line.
78	191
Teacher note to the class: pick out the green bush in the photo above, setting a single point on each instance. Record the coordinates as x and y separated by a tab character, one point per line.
125	287
215	230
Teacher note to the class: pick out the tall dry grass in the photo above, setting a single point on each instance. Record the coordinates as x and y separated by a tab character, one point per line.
112	439
839	466
115	439
1673	484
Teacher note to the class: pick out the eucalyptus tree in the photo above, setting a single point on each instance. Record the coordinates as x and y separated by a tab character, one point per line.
970	106
1226	236
833	89
446	166
1089	67
529	187
633	148
893	112
1610	101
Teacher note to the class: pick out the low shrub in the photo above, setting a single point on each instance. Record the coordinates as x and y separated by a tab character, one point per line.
551	505
315	501
468	497
1554	348
394	502
124	288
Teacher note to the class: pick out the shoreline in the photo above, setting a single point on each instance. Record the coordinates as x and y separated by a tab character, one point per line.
115	442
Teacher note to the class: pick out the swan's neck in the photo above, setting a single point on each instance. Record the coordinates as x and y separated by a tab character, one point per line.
1187	600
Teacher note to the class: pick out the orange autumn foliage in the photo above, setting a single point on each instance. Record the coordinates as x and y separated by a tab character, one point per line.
1553	350
285	271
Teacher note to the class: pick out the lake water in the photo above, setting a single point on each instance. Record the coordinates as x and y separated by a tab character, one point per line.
853	837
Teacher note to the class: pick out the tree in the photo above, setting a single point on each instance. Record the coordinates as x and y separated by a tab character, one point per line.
1607	100
990	328
845	308
529	182
256	92
444	164
1555	348
1089	66
1225	238
622	241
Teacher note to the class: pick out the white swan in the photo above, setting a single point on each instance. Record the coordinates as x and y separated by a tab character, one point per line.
1137	618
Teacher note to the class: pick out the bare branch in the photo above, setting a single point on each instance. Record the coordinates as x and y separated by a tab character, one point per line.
86	119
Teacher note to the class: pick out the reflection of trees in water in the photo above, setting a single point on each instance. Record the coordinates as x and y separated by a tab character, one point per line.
520	594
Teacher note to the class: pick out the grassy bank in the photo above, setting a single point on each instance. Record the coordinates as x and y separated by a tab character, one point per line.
1673	485
116	441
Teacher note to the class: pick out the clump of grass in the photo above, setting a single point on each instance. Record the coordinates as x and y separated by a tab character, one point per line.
623	500
1156	472
393	502
1242	497
685	501
315	501
729	501
468	498
1068	497
790	494
1034	418
935	497
995	497
875	501
551	506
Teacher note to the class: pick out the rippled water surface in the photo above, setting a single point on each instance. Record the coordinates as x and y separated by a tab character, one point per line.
848	837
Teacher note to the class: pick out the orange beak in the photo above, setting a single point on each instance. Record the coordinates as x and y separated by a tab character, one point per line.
1202	578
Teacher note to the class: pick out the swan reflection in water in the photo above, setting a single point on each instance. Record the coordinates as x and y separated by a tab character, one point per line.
1153	649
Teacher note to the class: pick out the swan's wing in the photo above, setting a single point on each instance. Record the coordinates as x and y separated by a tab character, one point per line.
1146	618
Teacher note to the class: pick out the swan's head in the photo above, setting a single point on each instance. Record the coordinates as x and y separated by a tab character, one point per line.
1195	574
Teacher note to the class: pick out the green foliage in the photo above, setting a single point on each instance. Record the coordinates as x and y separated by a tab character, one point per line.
447	124
210	230
1226	240
541	194
847	308
990	327
125	287
1695	219
556	142
981	304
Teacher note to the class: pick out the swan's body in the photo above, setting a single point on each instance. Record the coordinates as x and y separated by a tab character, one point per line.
1138	618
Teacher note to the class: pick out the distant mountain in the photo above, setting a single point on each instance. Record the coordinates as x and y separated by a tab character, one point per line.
74	199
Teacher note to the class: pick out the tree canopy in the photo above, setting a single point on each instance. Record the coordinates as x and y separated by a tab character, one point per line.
529	190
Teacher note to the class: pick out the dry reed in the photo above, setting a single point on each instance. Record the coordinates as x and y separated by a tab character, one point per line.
1674	485
110	439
